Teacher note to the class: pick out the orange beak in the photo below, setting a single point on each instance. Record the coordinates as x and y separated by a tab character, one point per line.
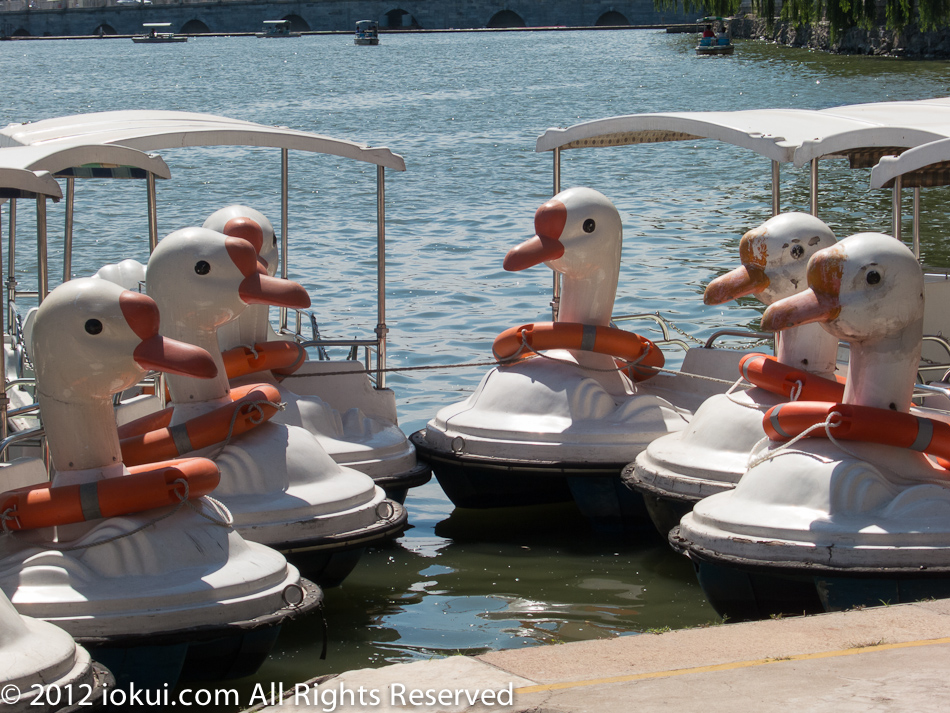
744	280
159	353
257	288
549	221
803	308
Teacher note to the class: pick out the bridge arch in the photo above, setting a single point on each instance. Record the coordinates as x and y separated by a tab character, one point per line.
104	29
297	23
194	27
506	18
612	18
399	18
21	32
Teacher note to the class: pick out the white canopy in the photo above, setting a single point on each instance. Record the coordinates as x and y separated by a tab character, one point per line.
24	182
156	130
862	132
70	159
926	165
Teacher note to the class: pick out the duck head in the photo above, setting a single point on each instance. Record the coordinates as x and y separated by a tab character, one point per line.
94	338
774	259
578	234
866	290
238	221
91	338
201	280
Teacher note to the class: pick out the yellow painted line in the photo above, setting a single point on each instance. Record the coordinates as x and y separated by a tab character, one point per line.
729	666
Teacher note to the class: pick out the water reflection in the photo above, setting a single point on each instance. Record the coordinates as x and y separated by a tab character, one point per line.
473	582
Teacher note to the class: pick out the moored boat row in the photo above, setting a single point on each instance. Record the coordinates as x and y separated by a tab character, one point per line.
256	454
125	547
558	422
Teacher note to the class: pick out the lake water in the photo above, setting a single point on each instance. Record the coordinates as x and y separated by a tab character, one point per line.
464	110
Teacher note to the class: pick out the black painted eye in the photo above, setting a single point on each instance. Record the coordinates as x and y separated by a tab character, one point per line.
93	326
202	267
797	251
873	277
589	225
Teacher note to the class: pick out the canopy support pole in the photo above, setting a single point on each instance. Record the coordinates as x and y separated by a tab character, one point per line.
896	208
68	229
41	256
776	188
814	187
381	329
152	213
917	222
556	292
4	401
284	191
11	276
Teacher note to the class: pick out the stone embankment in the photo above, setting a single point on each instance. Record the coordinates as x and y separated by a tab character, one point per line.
911	43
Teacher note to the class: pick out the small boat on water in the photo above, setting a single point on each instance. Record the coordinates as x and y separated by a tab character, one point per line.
37	656
278	28
367	32
715	39
847	504
711	454
847	517
352	396
366	439
281	486
154	35
134	563
571	399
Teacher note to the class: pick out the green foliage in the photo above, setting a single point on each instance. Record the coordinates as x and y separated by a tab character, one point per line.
722	8
840	14
766	9
898	13
933	13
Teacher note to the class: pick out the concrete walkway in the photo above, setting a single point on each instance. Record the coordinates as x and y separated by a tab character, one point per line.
894	658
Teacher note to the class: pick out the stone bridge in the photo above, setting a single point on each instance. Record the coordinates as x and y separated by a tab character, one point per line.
45	18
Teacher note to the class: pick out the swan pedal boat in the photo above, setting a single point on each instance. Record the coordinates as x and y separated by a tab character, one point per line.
357	404
861	132
822	524
563	425
158	595
710	455
280	484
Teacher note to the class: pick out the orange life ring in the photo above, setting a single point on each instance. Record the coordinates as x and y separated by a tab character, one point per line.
628	346
150	438
859	423
277	356
148	486
768	373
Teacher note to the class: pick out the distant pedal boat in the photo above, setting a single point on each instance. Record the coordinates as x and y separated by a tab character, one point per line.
277	28
367	32
153	34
